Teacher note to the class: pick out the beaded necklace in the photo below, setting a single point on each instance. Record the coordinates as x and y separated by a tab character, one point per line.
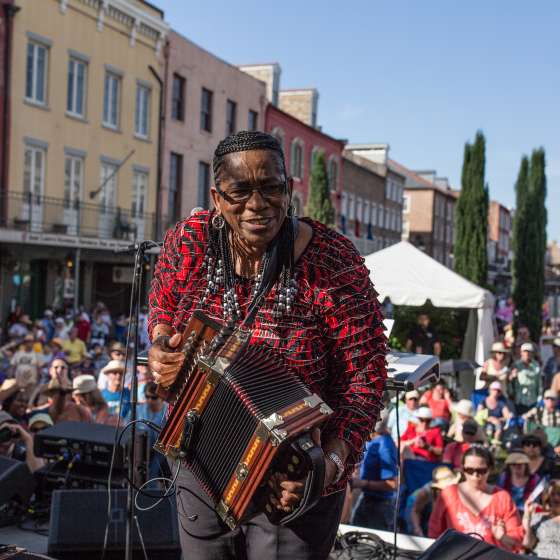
276	269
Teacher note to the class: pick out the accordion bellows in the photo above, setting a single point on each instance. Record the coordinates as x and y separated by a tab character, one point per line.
238	415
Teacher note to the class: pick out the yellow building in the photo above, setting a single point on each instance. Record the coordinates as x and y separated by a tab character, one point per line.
83	156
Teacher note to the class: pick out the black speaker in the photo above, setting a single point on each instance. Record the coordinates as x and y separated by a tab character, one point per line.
457	546
78	519
16	488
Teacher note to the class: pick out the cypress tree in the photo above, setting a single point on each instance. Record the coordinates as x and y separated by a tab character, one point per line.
521	273
319	205
530	255
472	215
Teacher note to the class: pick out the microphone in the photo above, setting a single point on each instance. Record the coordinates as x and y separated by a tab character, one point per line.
144	246
196	209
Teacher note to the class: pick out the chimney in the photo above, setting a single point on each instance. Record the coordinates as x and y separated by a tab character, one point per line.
269	74
301	104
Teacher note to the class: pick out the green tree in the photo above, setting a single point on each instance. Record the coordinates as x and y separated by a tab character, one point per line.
471	215
319	205
529	242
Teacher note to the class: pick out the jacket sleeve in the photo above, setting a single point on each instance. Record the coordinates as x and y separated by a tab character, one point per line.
355	331
163	297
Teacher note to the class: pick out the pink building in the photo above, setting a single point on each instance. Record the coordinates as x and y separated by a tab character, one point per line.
301	144
206	100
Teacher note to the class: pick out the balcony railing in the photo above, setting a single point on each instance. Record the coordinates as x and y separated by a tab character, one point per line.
44	214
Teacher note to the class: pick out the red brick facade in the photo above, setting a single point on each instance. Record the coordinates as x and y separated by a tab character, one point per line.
295	135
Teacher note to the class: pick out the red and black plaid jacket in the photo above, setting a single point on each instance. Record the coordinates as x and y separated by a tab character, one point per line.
333	338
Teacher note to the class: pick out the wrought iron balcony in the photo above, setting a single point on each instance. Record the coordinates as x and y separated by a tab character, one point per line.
45	214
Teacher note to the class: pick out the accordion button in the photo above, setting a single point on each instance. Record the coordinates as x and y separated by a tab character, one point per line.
291	468
268	508
295	459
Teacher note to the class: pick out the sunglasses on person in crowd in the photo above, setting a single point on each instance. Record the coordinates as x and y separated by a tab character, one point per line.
531	443
471	471
152	397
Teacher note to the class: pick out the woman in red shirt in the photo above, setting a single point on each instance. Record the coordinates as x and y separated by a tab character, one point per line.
439	401
473	506
420	441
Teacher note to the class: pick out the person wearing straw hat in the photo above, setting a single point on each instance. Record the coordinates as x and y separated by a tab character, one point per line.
526	378
552	366
85	393
496	368
463	411
516	478
419	504
114	371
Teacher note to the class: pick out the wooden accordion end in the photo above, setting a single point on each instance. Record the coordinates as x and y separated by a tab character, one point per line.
238	416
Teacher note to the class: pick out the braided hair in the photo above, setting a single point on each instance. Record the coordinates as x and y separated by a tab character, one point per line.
244	141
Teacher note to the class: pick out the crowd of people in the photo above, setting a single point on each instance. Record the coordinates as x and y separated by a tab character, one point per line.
485	465
488	464
69	367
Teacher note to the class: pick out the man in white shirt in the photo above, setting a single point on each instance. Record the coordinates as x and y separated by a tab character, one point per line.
407	413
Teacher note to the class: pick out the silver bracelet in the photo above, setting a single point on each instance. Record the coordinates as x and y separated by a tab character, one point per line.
335	458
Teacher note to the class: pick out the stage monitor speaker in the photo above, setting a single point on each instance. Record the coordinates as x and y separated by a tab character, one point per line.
78	519
457	546
16	488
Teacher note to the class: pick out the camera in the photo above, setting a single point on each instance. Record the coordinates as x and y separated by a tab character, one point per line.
6	434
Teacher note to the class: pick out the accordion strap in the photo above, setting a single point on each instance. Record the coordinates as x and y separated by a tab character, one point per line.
315	481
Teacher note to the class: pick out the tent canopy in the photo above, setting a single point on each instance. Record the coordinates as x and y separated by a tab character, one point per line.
407	276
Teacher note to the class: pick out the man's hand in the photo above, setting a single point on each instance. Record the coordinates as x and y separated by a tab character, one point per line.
165	363
499	530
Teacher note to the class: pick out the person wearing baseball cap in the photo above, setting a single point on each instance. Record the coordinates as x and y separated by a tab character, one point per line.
471	433
421	441
117	352
407	413
547	415
552	366
495	410
17	443
526	380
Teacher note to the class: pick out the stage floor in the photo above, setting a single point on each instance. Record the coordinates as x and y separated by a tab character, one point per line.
30	540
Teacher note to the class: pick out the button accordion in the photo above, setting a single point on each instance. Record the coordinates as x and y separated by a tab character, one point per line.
238	415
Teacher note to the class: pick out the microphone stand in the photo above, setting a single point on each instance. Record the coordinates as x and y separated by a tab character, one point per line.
140	250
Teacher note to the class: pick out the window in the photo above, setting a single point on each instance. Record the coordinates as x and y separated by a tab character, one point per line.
203	198
278	133
231	116
73	181
111	100
139	193
206	110
36	73
175	188
406	204
178	98
297	159
141	117
76	95
253	123
34	173
108	188
333	174
373	218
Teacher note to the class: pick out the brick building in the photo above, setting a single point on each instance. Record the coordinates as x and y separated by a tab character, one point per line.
301	144
371	200
428	212
207	99
499	247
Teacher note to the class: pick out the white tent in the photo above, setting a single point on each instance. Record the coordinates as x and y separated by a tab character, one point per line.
407	276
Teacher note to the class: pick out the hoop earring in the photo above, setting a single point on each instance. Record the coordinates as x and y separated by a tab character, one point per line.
218	221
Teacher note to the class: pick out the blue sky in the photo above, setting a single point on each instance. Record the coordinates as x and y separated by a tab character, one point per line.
421	75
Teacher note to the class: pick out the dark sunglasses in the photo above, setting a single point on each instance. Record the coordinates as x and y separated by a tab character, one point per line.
532	443
471	471
152	397
239	195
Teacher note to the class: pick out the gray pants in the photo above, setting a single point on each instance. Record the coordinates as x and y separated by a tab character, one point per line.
205	537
